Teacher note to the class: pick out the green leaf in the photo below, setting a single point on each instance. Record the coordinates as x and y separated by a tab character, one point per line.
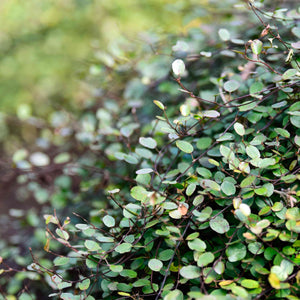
211	114
190	272
109	221
184	146
224	34
197	244
128	273
84	285
191	189
219	225
240	291
247	181
236	252
205	173
92	245
297	140
116	268
178	67
139	193
148	142
144	171
266	162
141	282
205	259
209	184
289	74
256	87
239	128
261	191
282	132
252	152
130	159
231	85
174	295
69	296
256	248
247	105
59	261
62	234
295	120
166	254
131	210
203	143
155	264
192	236
256	47
219	268
264	210
228	188
123	248
226	152
159	104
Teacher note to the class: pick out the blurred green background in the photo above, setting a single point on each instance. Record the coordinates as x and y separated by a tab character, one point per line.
47	48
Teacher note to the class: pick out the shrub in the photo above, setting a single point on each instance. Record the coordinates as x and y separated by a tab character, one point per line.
203	201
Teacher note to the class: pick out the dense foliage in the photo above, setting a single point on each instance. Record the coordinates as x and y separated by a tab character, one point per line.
199	202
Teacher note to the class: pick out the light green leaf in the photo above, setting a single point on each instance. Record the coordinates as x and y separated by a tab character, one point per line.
240	291
256	47
289	74
211	114
231	85
282	132
228	188
109	221
139	193
219	225
178	67
209	184
123	248
203	143
205	259
84	285
219	268
256	87
155	264
62	234
159	104
197	244
165	254
174	295
190	272
252	152
224	34
250	283
130	159
266	162
91	245
245	209
295	120
128	273
185	146
191	189
59	261
116	268
144	171
247	181
236	252
148	142
239	128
